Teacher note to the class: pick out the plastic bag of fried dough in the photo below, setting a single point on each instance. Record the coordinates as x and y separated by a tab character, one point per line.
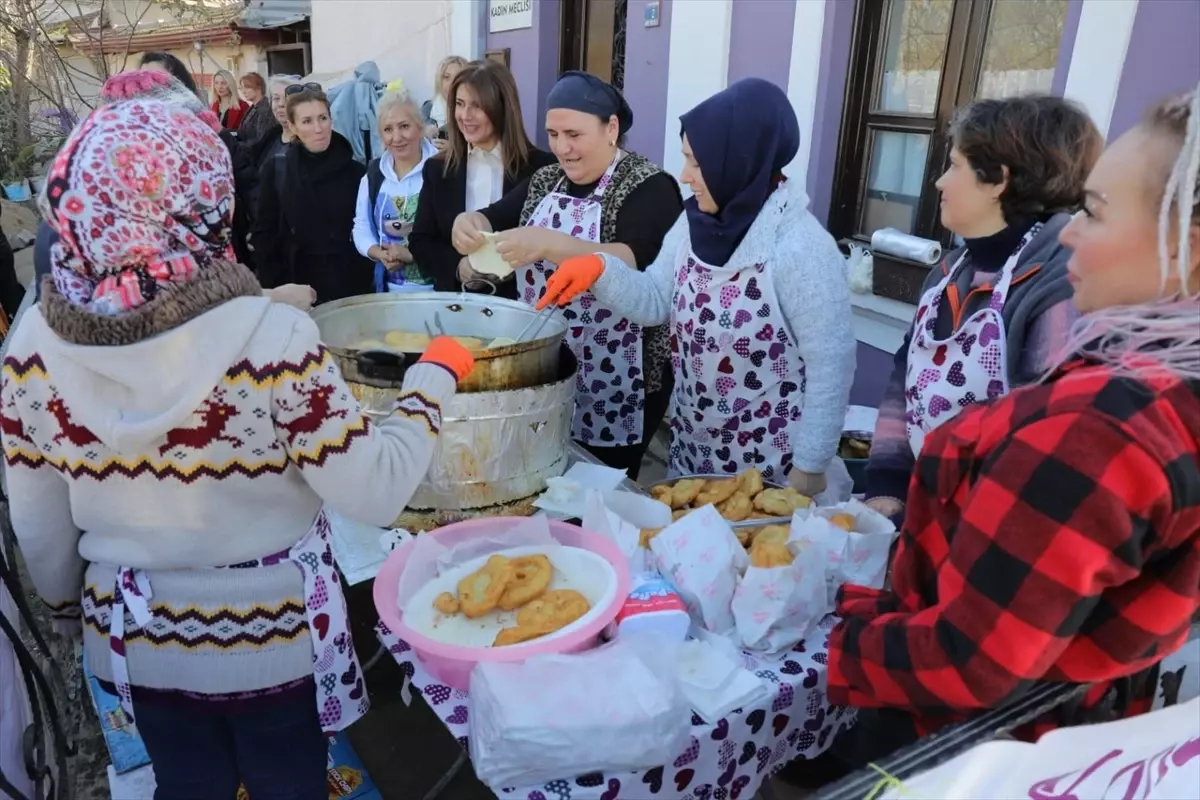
613	709
430	558
856	541
703	559
778	603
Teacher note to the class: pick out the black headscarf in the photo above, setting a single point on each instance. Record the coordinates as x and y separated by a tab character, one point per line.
582	91
742	138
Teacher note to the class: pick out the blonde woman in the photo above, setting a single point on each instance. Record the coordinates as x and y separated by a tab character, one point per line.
435	109
1053	535
386	206
225	102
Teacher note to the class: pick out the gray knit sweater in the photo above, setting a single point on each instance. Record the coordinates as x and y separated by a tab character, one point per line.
809	274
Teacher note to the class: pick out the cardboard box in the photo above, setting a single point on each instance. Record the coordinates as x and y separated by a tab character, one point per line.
125	747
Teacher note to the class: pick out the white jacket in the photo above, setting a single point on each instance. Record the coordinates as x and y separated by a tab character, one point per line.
391	221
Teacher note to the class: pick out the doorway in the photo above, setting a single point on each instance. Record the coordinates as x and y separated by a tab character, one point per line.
288	59
592	38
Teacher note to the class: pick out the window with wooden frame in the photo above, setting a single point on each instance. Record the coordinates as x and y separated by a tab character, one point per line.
912	62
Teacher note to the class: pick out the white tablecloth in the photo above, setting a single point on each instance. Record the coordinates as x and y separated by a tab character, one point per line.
726	761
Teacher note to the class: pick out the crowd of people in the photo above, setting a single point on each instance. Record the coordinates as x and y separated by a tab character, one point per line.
171	433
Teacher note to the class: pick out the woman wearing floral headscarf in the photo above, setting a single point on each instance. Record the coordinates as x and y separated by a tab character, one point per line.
170	436
156	85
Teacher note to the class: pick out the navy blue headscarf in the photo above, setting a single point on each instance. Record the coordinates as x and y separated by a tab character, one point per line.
583	91
742	138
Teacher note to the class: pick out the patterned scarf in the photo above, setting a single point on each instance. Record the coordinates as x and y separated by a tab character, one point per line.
141	196
149	84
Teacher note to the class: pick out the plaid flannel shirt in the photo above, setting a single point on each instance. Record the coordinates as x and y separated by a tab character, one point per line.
1051	536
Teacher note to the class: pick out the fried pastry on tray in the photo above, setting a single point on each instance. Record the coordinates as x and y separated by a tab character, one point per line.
844	521
684	492
446	603
781	502
662	493
557	609
519	634
680	513
530	580
769	554
647	535
737	507
750	482
776	534
480	592
717	490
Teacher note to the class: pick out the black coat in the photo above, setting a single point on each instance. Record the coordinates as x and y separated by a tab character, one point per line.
444	197
11	291
305	215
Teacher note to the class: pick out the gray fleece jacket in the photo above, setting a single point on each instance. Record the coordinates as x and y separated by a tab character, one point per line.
809	274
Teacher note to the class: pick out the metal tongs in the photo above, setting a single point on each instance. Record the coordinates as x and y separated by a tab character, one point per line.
429	329
540	320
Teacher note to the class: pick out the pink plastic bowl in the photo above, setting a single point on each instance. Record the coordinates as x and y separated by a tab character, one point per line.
451	664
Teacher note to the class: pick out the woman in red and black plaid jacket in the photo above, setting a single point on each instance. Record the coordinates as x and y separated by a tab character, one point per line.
1053	536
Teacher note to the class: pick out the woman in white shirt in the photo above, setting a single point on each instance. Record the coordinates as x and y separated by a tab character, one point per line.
435	110
388	197
486	155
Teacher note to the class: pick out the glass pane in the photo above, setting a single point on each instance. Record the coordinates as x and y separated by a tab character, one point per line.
916	49
894	181
598	48
1021	48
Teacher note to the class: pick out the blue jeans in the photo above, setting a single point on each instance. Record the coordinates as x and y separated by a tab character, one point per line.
279	752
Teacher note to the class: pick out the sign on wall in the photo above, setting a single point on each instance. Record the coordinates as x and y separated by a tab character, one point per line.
509	15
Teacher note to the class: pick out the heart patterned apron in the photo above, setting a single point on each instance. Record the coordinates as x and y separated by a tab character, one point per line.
610	391
341	692
739	378
946	375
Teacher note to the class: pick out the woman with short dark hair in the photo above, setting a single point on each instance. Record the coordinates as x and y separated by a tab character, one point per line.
996	311
306	206
1053	538
165	62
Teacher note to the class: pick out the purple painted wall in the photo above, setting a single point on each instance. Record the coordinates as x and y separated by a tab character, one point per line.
647	51
548	24
760	40
533	58
831	96
873	368
1163	58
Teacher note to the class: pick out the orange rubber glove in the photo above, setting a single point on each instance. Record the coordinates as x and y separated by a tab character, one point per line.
572	278
446	352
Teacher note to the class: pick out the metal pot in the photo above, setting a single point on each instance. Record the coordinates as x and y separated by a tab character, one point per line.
495	447
342	323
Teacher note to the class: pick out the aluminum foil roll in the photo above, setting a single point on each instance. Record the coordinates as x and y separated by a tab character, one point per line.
894	243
